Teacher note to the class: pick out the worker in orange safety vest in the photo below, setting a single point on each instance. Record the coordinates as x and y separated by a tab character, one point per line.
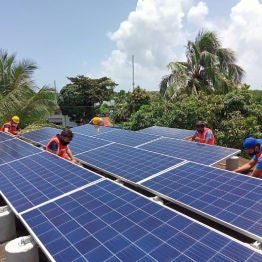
12	127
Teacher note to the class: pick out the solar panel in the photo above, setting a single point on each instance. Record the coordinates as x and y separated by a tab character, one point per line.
221	195
125	137
5	136
41	134
38	178
106	222
168	132
14	149
90	130
82	143
195	152
127	162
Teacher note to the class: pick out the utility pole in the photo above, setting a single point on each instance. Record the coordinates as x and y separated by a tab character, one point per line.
133	71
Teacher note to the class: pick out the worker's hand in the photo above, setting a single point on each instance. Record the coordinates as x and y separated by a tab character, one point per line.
75	161
197	139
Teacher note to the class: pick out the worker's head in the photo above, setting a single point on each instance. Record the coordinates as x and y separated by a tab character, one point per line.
16	119
66	136
96	120
251	145
200	125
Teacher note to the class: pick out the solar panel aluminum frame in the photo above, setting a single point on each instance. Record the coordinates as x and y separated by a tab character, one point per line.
51	258
197	211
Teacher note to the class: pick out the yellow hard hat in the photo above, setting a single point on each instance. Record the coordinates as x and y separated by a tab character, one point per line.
96	120
16	119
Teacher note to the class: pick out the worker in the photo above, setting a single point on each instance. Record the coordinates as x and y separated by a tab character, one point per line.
59	145
98	121
203	134
12	127
253	147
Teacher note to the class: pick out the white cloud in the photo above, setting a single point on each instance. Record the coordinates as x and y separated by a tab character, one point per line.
151	33
197	14
243	35
157	32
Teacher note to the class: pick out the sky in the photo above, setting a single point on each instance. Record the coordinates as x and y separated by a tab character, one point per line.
97	38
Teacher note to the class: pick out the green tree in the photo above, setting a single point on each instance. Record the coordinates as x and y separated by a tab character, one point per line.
78	98
127	104
17	91
209	68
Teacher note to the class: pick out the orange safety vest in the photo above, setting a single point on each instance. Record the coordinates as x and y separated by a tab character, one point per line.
202	136
12	129
62	149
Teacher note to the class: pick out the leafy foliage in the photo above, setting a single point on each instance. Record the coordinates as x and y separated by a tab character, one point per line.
209	68
127	104
232	117
17	94
78	98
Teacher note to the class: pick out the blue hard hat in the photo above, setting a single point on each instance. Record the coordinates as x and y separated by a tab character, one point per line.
250	143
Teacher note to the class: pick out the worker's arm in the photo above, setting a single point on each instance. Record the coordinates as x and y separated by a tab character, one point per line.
246	166
192	138
53	148
70	155
256	173
258	170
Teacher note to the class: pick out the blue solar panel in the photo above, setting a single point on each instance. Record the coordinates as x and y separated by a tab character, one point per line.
14	149
82	143
127	162
5	136
222	195
195	152
106	222
125	137
41	134
90	130
168	132
38	178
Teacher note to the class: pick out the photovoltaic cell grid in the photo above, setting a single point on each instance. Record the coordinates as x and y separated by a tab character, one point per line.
79	144
129	138
195	152
38	178
4	137
14	149
90	130
106	222
127	162
168	132
82	143
41	134
223	195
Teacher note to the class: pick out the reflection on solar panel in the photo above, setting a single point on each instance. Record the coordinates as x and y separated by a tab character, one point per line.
4	137
35	179
41	134
168	132
14	149
196	152
220	194
90	130
127	162
129	138
106	222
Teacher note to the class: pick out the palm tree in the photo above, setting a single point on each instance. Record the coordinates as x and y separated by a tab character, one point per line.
209	68
17	95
